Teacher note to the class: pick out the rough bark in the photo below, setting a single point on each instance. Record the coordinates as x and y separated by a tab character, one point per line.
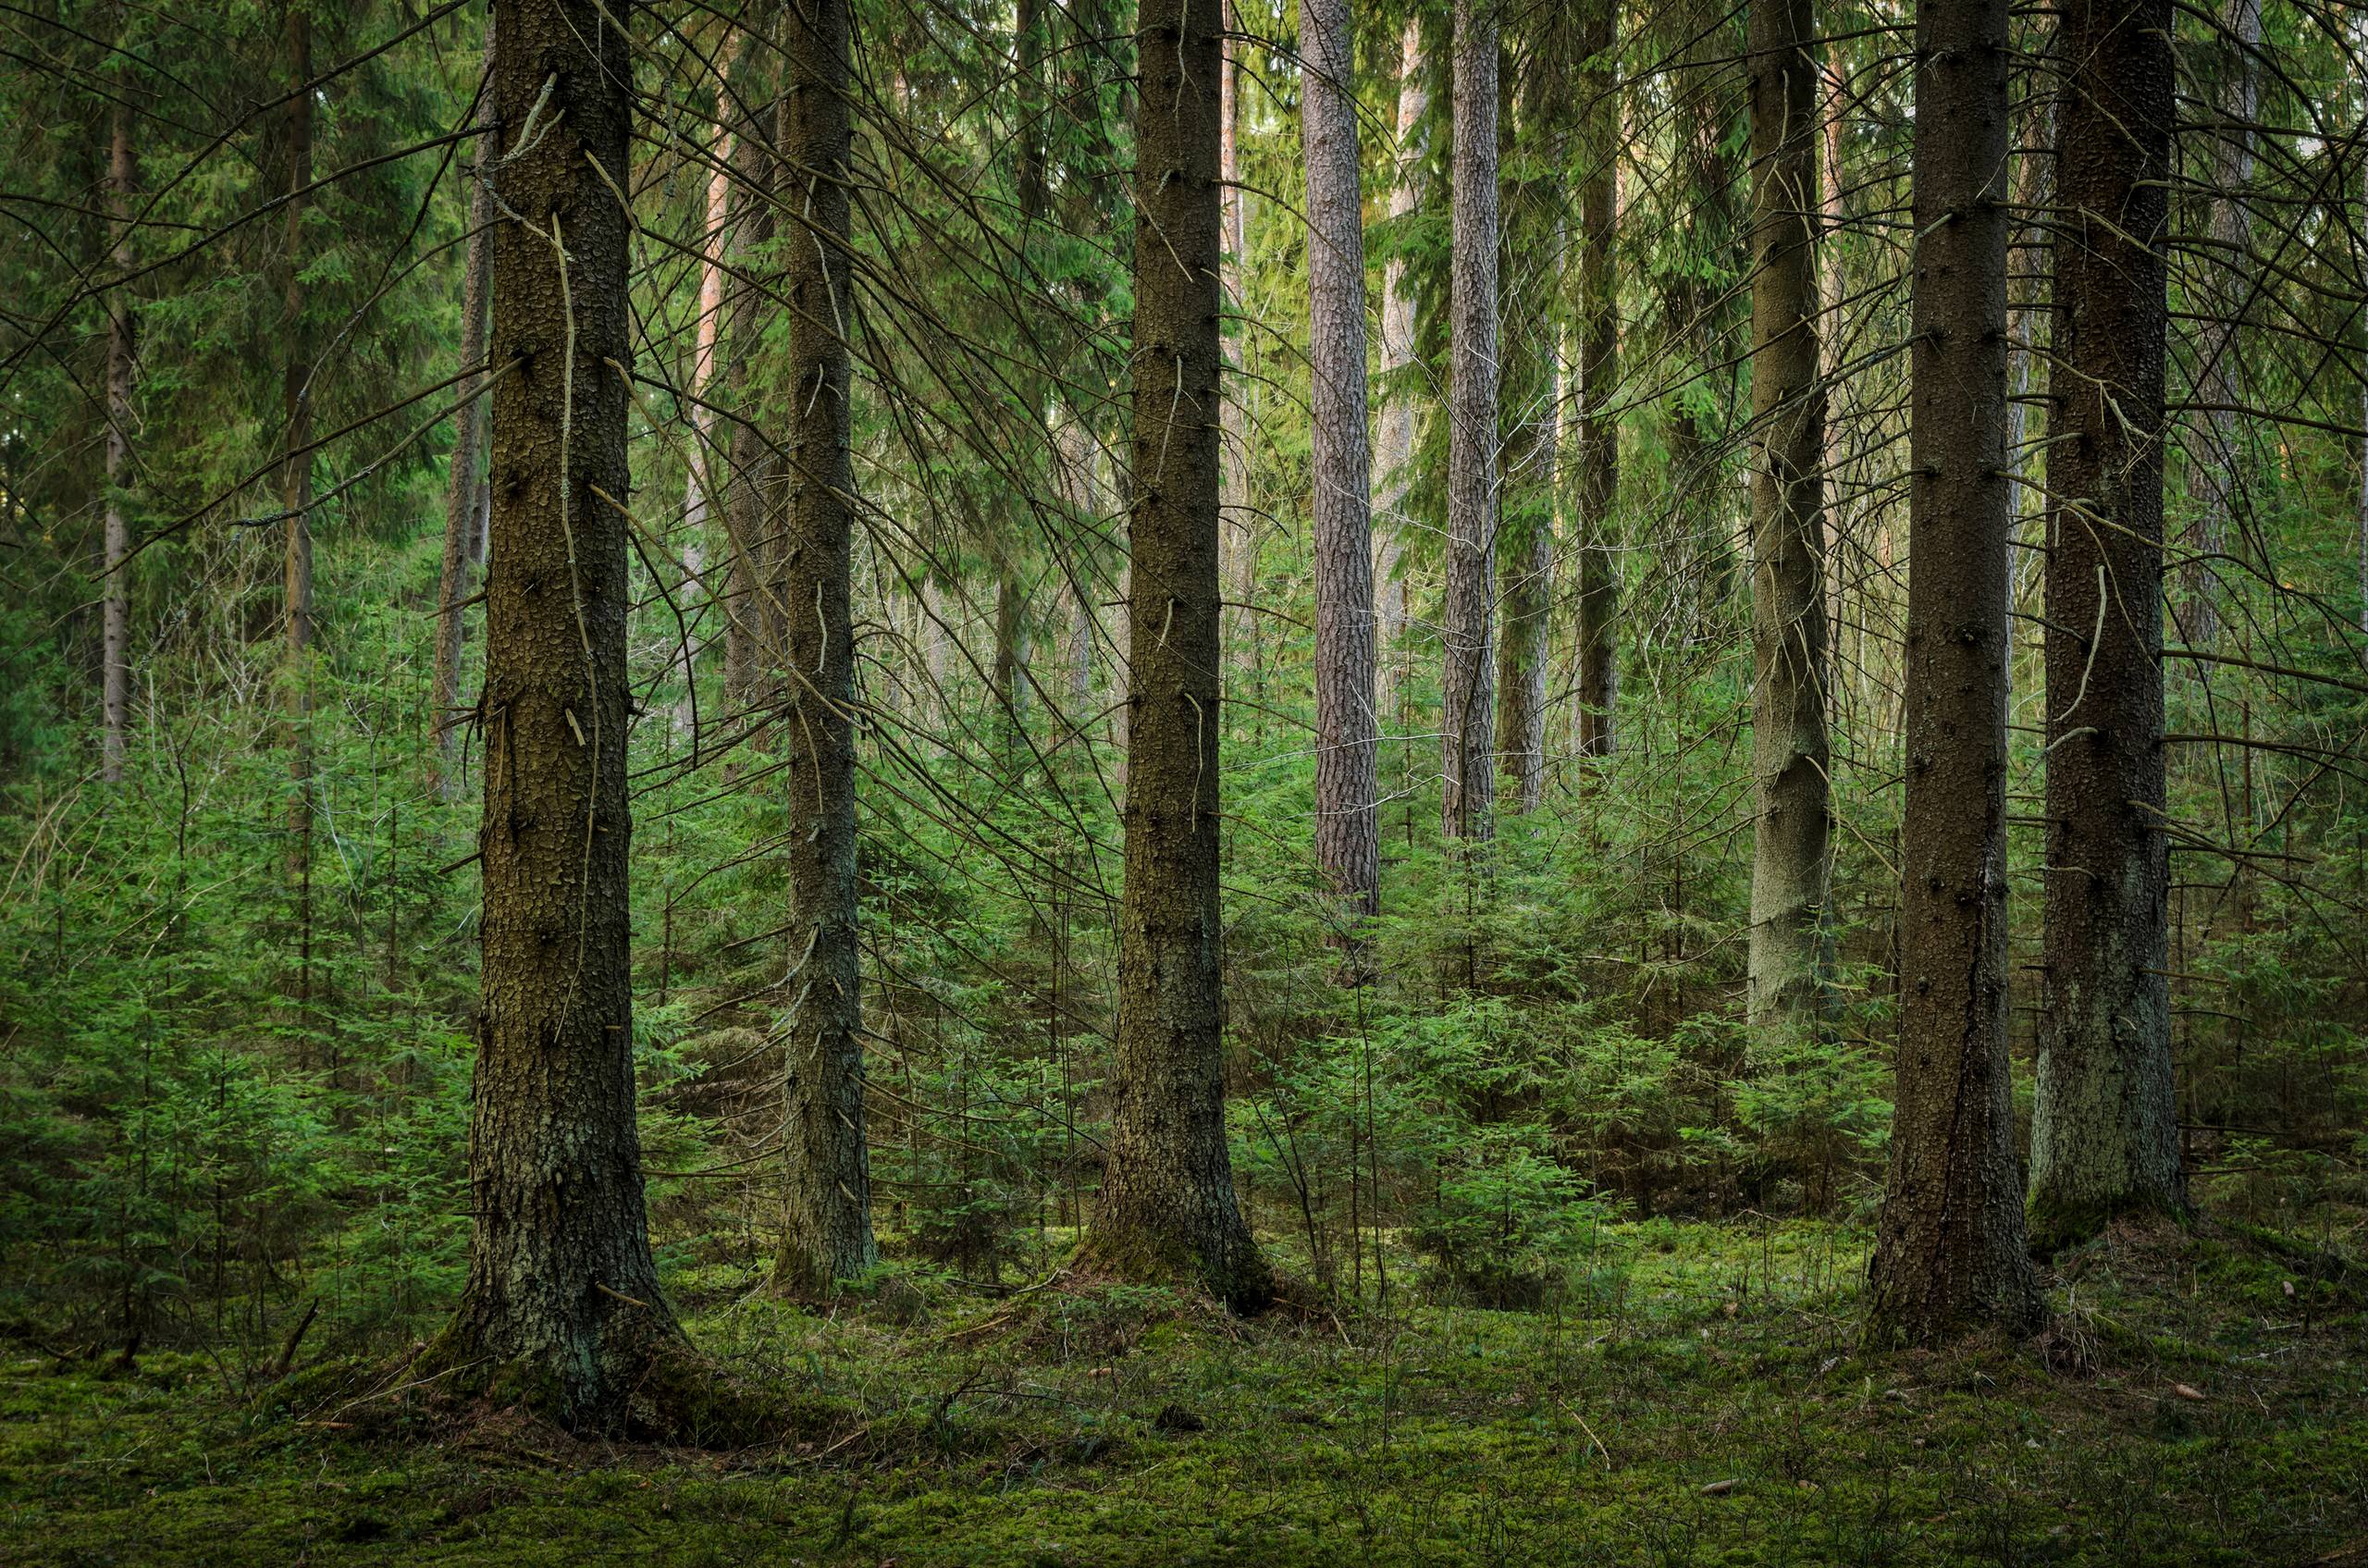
461	477
1791	947
2219	367
1395	449
1168	1207
2104	1128
1467	797
826	1227
1597	457
1949	1247
562	1289
1348	823
116	617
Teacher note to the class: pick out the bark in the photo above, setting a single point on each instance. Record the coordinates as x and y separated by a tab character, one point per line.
2025	312
1348	823
463	478
1529	451
2218	380
1168	1208
699	486
2105	1130
826	1227
560	1285
1949	1247
1241	526
1791	948
1395	451
1597	457
749	652
116	617
1467	798
1008	669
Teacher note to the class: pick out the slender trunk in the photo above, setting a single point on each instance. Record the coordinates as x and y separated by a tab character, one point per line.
1081	484
1949	1247
2219	368
826	1225
1168	1208
1241	545
748	653
461	480
2025	315
1529	451
1597	457
116	620
1009	668
296	493
1791	948
698	484
2104	1128
1467	799
1394	454
560	1282
1348	825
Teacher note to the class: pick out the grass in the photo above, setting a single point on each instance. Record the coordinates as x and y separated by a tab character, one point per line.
1695	1397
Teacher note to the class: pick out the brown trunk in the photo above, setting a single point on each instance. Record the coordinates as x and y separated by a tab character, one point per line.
1467	798
1393	458
1949	1247
2105	1126
1168	1208
748	653
1792	849
699	484
461	487
1348	826
1597	457
115	619
560	1284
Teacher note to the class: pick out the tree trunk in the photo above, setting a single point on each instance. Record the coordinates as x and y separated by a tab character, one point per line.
826	1227
1949	1247
748	651
560	1284
1394	455
1240	539
296	490
2218	377
461	479
2105	1130
1467	797
1598	458
1348	824
115	619
698	484
1168	1206
1791	949
1530	451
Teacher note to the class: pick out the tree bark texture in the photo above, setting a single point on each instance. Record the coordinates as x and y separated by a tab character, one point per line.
1394	450
1467	797
2104	1128
461	477
1168	1206
1791	947
561	1283
1949	1247
1597	457
1348	821
115	691
699	484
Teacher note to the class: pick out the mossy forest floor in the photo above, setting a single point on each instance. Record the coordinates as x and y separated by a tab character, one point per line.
1698	1397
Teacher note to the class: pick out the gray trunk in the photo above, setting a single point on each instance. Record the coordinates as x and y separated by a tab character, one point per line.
1396	447
749	657
1467	798
698	484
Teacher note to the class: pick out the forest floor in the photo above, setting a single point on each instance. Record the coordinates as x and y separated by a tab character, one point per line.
1698	1397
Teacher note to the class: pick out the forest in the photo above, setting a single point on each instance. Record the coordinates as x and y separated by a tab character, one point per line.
1163	782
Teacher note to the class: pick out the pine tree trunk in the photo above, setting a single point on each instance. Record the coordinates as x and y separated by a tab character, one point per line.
699	484
1949	1247
1597	457
1348	824
1240	540
2105	1126
1168	1208
1792	844
1467	798
2219	360
748	653
461	479
560	1285
826	1230
115	690
1394	453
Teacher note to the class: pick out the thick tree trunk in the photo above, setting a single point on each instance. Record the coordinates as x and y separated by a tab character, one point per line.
826	1226
1348	823
2219	360
115	692
2104	1128
1394	453
1791	947
1168	1206
1949	1247
560	1285
461	479
1467	798
1597	457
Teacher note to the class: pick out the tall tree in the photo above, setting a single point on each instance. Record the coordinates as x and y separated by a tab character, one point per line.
1348	823
1169	1207
560	1282
698	482
114	642
296	473
2219	362
1791	840
1241	542
2104	1128
1597	457
461	480
1467	799
1394	453
1949	1247
749	612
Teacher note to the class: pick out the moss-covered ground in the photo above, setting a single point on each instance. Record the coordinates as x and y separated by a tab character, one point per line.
1696	1397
